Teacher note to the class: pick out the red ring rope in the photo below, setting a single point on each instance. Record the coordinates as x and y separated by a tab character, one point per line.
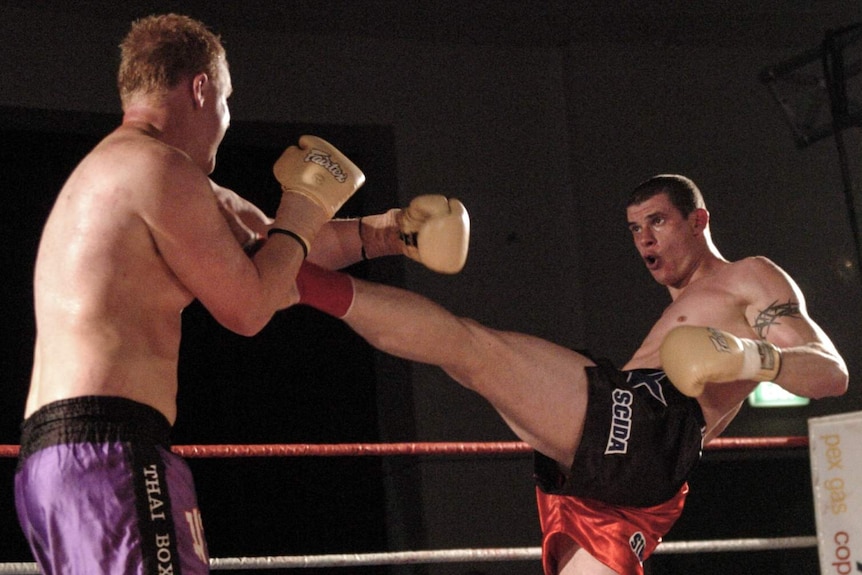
439	448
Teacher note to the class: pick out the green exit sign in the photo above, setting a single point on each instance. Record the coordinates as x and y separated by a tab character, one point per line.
768	394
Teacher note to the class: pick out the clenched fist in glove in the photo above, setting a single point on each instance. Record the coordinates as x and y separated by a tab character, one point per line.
435	231
315	171
694	356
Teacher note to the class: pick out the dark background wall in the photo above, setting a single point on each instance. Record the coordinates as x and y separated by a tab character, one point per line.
539	116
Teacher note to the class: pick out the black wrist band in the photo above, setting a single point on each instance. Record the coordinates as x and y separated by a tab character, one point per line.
361	242
299	239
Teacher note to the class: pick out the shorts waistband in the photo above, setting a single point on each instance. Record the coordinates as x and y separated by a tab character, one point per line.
93	419
658	377
655	372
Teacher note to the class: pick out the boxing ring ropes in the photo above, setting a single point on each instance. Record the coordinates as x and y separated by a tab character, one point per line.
447	449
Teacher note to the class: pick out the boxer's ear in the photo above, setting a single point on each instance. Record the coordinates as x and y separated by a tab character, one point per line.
199	83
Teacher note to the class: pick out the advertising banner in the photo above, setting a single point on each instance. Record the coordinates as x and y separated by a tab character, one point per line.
835	445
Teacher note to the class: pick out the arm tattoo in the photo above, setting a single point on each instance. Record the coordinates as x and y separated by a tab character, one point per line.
769	316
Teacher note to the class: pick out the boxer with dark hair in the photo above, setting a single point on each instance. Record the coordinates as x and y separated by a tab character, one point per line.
615	447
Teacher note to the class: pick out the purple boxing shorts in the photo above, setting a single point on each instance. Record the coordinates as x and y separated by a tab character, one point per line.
97	490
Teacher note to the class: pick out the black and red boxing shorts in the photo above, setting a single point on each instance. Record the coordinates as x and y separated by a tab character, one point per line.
641	440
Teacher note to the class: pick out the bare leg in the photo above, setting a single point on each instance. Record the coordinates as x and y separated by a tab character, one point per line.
578	562
539	388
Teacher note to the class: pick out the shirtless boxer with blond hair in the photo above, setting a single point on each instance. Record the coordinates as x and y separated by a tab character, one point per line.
614	448
138	231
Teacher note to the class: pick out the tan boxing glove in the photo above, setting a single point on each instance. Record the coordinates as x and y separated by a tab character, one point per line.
694	356
317	171
435	231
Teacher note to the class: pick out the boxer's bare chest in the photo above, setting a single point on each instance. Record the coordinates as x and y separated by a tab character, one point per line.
714	301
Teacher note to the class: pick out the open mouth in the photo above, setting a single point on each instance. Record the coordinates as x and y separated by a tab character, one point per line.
651	261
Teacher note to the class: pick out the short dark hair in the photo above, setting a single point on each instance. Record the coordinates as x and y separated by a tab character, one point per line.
160	50
683	193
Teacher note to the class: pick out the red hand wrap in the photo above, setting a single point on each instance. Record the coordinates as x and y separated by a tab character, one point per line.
328	291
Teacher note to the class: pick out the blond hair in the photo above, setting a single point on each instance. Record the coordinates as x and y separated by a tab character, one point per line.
160	50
